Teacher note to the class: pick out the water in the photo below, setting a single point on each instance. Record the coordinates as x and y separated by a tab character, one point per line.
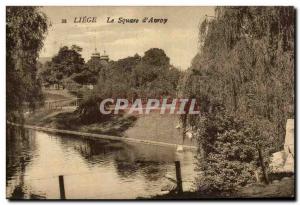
92	169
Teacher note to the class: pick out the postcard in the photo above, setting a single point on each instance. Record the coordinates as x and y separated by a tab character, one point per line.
150	102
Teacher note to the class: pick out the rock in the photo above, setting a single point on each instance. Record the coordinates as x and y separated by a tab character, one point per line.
289	146
257	176
275	181
283	161
289	164
289	137
164	192
277	161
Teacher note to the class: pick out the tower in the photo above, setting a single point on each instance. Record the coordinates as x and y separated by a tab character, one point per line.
104	57
95	55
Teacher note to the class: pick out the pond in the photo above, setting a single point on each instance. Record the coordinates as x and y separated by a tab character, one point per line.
92	168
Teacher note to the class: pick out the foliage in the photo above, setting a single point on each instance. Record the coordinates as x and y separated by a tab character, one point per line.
135	77
89	110
67	62
246	66
115	80
156	57
25	31
132	77
228	156
90	73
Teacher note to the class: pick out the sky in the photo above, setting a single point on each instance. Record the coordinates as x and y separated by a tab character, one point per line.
178	37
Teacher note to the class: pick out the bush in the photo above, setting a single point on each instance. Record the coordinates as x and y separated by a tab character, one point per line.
88	109
228	154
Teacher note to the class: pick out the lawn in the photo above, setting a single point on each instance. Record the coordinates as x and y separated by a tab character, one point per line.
114	125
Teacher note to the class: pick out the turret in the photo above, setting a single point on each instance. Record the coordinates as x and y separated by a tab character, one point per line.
104	57
95	55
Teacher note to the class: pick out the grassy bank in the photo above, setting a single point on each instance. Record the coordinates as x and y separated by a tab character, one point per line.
68	120
153	127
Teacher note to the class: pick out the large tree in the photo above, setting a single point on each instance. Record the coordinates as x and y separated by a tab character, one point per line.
115	80
90	72
25	31
244	78
153	76
67	62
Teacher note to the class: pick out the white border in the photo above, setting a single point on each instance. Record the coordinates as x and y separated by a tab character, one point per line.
4	3
153	2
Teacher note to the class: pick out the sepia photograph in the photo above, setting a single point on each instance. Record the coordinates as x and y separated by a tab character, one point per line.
150	102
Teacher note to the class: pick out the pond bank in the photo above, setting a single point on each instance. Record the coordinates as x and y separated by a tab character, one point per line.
99	136
160	129
70	120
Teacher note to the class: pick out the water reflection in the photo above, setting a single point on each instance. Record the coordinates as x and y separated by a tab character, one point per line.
21	146
98	169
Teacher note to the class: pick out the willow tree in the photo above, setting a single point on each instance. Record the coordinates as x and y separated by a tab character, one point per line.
243	77
25	31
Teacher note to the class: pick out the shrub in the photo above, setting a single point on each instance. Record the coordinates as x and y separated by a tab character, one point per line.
88	109
228	154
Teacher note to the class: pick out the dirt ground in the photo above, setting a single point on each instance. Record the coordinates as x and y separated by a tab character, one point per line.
278	189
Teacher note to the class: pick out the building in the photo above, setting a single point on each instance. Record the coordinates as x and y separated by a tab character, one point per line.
96	55
104	57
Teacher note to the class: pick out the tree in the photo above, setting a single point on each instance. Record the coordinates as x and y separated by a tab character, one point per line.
154	76
67	62
156	57
90	73
173	76
25	31
136	77
246	66
115	80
